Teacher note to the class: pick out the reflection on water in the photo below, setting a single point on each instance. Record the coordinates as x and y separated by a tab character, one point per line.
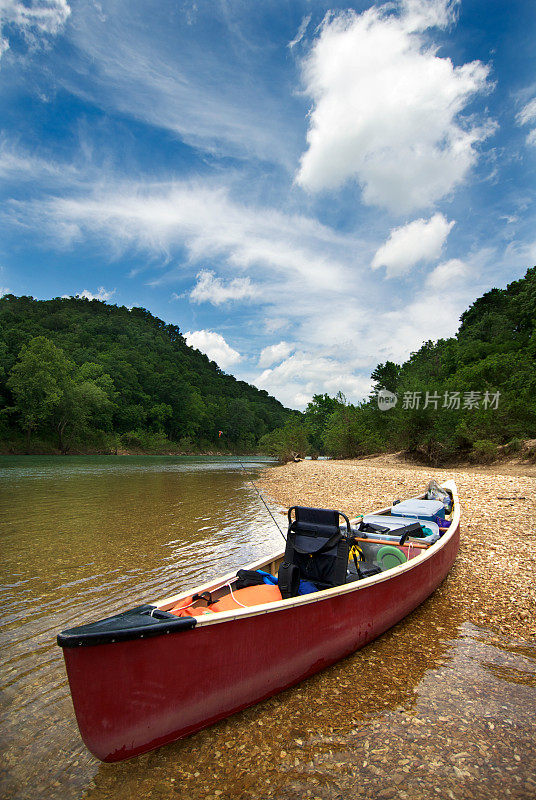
435	707
85	537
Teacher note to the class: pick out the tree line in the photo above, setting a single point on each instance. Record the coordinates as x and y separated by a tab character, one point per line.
79	375
472	396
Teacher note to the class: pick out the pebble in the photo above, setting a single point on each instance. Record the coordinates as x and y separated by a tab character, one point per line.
497	593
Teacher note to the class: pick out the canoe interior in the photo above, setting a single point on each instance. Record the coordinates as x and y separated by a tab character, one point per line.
221	587
134	694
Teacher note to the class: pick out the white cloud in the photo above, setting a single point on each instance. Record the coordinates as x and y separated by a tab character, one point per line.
210	289
447	274
421	240
276	324
434	310
520	254
4	290
209	224
274	353
212	91
386	108
42	17
301	32
102	294
528	112
302	375
16	164
526	116
214	346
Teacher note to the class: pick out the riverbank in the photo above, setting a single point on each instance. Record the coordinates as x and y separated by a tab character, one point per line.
493	577
8	450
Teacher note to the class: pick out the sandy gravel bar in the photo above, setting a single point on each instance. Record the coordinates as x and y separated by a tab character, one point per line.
495	573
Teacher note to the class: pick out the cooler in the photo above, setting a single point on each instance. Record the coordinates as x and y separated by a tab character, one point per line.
419	509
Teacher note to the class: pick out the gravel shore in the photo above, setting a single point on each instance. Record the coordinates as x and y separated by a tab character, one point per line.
495	573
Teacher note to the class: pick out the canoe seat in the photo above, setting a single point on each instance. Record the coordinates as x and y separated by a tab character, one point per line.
317	550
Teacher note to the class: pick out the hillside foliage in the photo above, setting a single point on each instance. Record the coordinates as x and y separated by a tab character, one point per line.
79	374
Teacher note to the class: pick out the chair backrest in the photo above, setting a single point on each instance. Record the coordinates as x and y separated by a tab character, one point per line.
316	545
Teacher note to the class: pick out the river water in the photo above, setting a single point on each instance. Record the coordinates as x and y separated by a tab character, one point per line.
434	708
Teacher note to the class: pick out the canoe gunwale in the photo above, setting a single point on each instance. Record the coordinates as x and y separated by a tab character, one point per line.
88	636
138	695
324	594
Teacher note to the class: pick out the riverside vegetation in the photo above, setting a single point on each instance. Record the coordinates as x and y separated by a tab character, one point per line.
494	351
85	376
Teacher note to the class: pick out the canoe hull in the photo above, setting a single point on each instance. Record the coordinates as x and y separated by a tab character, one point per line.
132	696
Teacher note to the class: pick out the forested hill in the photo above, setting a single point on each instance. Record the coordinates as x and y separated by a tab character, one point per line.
80	375
472	396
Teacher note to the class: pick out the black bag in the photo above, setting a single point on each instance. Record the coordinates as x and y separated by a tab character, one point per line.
288	580
412	529
372	527
248	577
365	569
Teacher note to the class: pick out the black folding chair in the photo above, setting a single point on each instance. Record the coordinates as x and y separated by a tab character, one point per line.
317	550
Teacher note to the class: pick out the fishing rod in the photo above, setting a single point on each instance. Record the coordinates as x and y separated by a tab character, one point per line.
263	500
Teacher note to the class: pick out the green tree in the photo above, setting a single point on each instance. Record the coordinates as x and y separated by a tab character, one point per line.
317	414
341	437
158	415
38	381
287	442
82	402
150	367
49	391
386	376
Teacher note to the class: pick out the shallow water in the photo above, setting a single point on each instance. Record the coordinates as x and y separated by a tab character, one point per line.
435	707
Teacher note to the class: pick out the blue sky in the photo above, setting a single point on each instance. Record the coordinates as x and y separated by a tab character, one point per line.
305	188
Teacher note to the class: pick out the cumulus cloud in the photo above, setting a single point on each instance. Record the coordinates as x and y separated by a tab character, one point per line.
527	116
386	108
421	240
210	289
42	17
102	294
302	375
434	310
339	351
274	353
214	346
447	273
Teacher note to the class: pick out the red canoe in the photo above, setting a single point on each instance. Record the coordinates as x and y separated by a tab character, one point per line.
147	677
